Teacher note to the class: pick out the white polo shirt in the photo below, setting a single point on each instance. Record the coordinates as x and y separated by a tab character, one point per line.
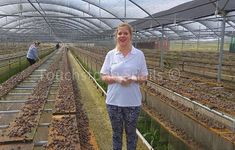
117	65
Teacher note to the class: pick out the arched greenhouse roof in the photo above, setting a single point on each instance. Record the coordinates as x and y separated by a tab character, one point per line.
79	20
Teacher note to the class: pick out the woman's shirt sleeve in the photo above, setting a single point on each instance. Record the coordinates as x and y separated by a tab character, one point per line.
105	69
143	68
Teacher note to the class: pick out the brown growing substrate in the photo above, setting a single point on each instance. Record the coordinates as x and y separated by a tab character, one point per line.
29	115
203	91
16	79
63	133
68	101
65	102
210	123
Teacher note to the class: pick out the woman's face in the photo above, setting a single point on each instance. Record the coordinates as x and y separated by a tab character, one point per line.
123	37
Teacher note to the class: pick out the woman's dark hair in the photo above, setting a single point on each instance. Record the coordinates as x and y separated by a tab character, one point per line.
36	42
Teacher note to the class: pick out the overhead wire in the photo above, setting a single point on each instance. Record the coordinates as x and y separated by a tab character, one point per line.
53	32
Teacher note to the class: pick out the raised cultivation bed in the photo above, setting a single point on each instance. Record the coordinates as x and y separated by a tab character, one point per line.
63	133
24	126
65	99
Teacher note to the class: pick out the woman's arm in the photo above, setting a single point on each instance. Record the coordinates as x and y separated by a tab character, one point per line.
123	80
108	79
116	79
139	79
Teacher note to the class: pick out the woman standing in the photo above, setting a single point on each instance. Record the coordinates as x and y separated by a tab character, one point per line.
124	69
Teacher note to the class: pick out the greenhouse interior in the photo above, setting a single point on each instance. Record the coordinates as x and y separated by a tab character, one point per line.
59	99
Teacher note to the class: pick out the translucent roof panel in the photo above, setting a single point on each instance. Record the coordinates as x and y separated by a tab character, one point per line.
132	8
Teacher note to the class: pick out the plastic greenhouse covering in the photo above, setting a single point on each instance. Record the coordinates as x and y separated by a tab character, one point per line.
79	20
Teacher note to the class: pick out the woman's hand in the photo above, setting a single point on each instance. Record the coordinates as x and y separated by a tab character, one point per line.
138	79
123	80
116	79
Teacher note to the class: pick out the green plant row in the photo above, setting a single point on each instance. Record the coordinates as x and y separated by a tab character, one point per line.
93	73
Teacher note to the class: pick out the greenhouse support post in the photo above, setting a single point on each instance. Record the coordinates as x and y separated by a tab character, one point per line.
221	50
162	51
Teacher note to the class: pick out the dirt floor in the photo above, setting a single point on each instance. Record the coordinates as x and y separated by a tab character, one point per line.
94	105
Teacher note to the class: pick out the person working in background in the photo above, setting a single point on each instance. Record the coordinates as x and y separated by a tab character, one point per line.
124	68
57	46
32	54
